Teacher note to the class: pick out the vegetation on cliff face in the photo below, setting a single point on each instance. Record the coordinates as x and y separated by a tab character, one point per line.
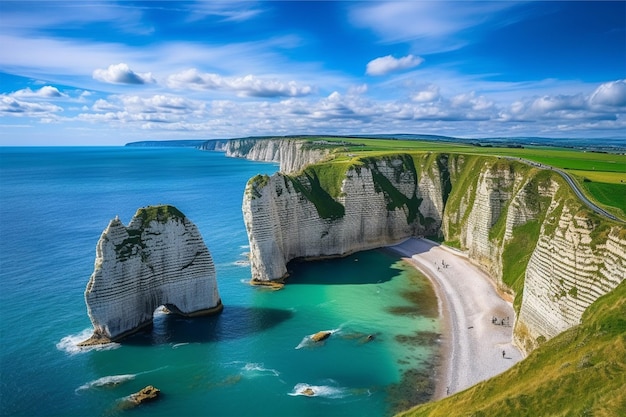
515	257
462	171
330	175
255	184
134	243
516	252
394	198
322	183
310	185
581	372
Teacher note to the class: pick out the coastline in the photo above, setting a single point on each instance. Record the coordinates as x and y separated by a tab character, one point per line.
473	346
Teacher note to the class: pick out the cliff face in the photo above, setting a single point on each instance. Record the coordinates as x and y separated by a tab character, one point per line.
159	259
292	154
520	224
577	259
526	228
292	217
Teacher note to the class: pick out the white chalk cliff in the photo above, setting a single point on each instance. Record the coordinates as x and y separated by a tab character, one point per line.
486	206
284	224
291	154
158	259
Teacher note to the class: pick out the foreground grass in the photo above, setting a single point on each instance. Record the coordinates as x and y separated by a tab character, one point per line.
581	372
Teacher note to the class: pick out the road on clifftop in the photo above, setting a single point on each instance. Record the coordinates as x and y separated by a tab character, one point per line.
572	184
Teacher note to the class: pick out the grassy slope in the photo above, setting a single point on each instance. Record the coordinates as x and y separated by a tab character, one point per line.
581	372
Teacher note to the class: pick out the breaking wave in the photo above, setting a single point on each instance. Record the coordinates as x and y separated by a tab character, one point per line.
252	369
111	381
107	382
326	391
69	344
257	369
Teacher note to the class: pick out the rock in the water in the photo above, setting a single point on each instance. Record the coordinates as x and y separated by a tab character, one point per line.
145	395
159	259
308	392
319	336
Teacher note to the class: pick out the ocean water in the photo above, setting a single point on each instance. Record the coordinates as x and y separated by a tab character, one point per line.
251	360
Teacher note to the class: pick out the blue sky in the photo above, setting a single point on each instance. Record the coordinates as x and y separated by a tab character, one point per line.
111	72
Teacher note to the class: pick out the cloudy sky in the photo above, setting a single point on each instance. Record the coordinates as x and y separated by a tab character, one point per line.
110	72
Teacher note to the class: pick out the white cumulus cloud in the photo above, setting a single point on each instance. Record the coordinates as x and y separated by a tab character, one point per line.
610	94
386	64
122	74
44	92
247	86
16	107
430	93
559	102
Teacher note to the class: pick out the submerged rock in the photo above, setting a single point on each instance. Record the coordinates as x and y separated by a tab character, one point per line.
158	259
319	336
145	395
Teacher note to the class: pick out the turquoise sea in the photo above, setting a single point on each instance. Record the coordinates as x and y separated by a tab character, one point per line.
252	360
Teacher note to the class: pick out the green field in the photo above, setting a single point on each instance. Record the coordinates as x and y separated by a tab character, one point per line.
601	176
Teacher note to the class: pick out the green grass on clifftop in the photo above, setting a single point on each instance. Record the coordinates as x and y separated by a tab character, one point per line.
581	372
160	213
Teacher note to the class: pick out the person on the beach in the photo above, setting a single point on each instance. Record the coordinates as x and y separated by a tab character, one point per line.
503	353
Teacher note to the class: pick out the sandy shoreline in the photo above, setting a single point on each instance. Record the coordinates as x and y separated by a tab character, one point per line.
473	345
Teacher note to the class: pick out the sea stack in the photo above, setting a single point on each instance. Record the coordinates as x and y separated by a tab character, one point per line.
159	259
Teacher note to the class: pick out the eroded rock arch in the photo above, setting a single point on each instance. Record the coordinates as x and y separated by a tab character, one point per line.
158	259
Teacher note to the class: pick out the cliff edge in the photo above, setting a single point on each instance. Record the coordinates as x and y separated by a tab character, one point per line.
158	259
521	224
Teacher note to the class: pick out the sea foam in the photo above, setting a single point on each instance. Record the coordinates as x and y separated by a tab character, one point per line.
253	369
111	381
107	382
326	391
69	344
258	369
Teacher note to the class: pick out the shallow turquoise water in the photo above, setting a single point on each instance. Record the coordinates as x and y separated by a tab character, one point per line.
249	361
